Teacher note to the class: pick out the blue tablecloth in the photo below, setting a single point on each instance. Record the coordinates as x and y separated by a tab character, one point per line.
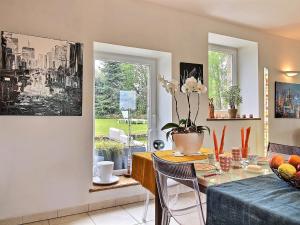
263	200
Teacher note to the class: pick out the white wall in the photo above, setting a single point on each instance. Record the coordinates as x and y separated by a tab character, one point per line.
164	100
46	162
248	79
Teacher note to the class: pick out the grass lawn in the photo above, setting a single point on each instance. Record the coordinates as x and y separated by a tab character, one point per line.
102	127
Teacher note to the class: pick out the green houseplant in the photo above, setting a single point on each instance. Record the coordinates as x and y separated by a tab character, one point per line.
232	97
112	151
187	135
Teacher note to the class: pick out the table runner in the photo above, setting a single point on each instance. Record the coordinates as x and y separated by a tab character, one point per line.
262	200
142	166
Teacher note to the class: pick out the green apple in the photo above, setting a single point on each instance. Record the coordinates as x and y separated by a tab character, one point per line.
287	170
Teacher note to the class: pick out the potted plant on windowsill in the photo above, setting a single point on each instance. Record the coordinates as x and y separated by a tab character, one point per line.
186	134
232	96
111	151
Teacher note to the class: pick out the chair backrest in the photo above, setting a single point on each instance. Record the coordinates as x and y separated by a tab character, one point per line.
283	149
183	173
115	133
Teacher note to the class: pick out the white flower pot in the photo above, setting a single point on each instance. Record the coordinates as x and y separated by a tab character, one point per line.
188	143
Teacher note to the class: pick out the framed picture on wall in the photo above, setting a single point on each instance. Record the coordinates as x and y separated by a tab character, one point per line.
287	100
190	70
40	76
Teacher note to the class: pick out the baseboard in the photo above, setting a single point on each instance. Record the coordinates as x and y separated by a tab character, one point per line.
73	210
83	209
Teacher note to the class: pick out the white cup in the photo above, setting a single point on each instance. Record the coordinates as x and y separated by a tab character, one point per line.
105	169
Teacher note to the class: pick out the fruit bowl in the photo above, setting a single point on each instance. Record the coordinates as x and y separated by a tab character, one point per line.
286	167
292	181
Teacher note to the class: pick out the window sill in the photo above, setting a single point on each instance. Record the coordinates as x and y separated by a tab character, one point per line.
231	119
123	182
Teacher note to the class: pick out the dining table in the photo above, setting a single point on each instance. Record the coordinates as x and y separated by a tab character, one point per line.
143	172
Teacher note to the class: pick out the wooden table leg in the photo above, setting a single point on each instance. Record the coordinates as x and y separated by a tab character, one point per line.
158	209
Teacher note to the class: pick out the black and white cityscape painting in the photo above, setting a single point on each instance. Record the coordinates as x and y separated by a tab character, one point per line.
40	76
190	70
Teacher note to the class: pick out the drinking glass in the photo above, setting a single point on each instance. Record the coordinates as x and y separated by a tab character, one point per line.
225	163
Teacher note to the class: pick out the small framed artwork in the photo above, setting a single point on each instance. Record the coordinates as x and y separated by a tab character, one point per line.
127	100
287	100
190	70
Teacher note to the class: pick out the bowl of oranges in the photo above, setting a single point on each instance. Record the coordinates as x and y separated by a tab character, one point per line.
286	168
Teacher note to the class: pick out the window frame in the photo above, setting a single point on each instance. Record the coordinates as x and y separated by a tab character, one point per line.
151	89
227	50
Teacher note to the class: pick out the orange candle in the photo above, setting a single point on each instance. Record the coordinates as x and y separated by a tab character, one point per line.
216	145
242	137
246	142
222	140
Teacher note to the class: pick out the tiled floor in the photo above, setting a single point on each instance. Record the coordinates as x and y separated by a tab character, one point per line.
122	215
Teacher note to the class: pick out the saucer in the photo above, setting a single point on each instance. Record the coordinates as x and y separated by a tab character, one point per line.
254	169
98	181
179	154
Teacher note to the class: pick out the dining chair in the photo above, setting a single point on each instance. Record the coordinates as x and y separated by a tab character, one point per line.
158	145
283	149
182	211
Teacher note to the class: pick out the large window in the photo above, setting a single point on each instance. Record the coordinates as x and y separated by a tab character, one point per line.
222	73
123	105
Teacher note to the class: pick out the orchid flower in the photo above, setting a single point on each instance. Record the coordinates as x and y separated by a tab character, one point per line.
190	86
170	86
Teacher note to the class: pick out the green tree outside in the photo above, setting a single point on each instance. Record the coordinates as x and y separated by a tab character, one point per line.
219	77
111	78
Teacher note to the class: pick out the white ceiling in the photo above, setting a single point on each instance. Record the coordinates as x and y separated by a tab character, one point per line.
279	17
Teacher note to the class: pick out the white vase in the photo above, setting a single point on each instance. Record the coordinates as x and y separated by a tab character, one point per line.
188	143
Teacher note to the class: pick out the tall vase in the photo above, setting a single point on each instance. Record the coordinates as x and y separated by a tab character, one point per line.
188	143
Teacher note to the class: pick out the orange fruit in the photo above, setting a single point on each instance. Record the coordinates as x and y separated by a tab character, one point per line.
276	161
294	160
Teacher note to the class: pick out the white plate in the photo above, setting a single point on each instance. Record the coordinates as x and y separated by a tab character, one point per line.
179	154
254	171
113	179
262	162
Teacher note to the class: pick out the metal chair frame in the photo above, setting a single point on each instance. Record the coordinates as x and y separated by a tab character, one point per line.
183	173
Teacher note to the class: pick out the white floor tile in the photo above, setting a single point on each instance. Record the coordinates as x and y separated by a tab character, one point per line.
172	222
112	216
79	219
136	210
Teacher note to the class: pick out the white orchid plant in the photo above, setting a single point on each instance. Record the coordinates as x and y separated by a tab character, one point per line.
190	86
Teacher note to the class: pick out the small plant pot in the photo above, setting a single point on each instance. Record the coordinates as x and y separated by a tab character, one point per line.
107	155
117	159
232	113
